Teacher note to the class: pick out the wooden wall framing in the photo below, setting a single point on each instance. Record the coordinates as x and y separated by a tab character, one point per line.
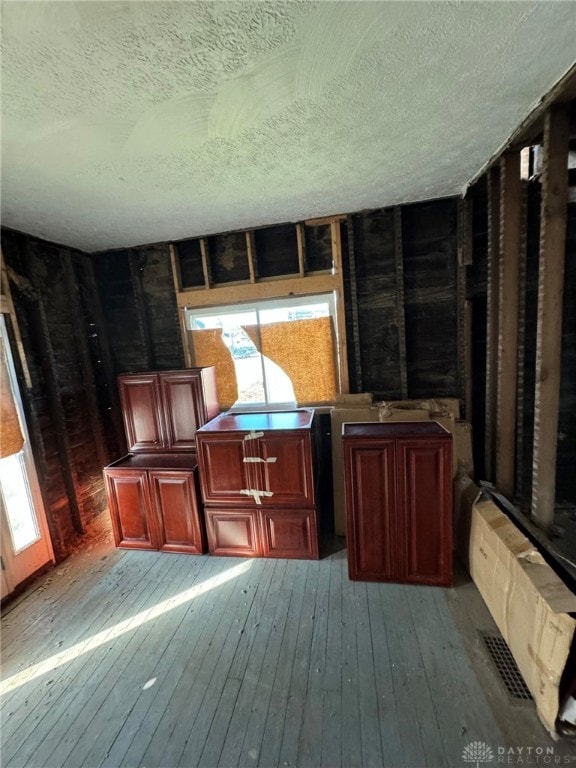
301	284
549	328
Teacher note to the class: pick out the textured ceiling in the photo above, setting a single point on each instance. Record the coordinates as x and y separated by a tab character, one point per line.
134	122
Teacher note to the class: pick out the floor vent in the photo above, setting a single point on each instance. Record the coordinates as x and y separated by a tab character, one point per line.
506	666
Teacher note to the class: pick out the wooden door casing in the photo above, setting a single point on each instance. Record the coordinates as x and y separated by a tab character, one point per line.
424	495
142	412
372	528
129	505
173	494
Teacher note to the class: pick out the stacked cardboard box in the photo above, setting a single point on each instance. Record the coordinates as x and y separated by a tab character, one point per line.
528	601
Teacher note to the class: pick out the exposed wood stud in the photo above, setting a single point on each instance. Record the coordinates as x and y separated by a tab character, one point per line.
344	382
549	328
464	342
468	363
9	309
251	251
354	305
84	356
400	318
301	239
175	264
107	358
42	331
509	264
521	345
492	301
205	263
181	314
263	289
323	220
563	92
134	261
336	245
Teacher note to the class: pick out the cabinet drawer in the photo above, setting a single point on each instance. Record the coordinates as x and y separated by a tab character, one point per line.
233	532
289	533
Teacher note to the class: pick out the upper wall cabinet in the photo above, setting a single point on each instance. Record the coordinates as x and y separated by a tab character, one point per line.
162	411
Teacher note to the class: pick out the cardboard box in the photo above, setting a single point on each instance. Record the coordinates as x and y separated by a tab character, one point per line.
339	416
528	601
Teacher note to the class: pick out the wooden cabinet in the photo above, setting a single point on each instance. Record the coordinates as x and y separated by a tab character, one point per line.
153	503
163	410
258	483
398	485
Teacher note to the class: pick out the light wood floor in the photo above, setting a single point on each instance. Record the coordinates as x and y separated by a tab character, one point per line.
160	660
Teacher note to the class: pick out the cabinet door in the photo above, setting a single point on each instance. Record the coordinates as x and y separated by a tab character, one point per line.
176	509
289	533
130	510
370	487
286	469
233	532
223	472
425	510
182	395
142	412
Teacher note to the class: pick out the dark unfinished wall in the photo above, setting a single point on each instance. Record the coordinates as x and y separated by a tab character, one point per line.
55	299
401	271
139	306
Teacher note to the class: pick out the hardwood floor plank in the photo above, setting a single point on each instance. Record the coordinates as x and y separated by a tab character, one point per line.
293	714
234	740
368	702
170	729
351	736
398	632
254	730
388	715
199	662
273	728
53	687
153	649
331	754
72	683
310	744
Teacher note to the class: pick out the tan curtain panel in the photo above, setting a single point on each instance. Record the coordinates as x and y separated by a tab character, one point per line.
11	438
304	349
209	349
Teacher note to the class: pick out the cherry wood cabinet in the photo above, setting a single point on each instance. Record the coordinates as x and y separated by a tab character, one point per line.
163	410
153	503
398	485
258	474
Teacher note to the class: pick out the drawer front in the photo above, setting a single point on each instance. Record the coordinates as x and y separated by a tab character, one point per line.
289	533
233	532
176	508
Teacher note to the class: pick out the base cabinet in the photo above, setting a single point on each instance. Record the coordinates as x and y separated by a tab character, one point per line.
398	485
258	477
153	506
